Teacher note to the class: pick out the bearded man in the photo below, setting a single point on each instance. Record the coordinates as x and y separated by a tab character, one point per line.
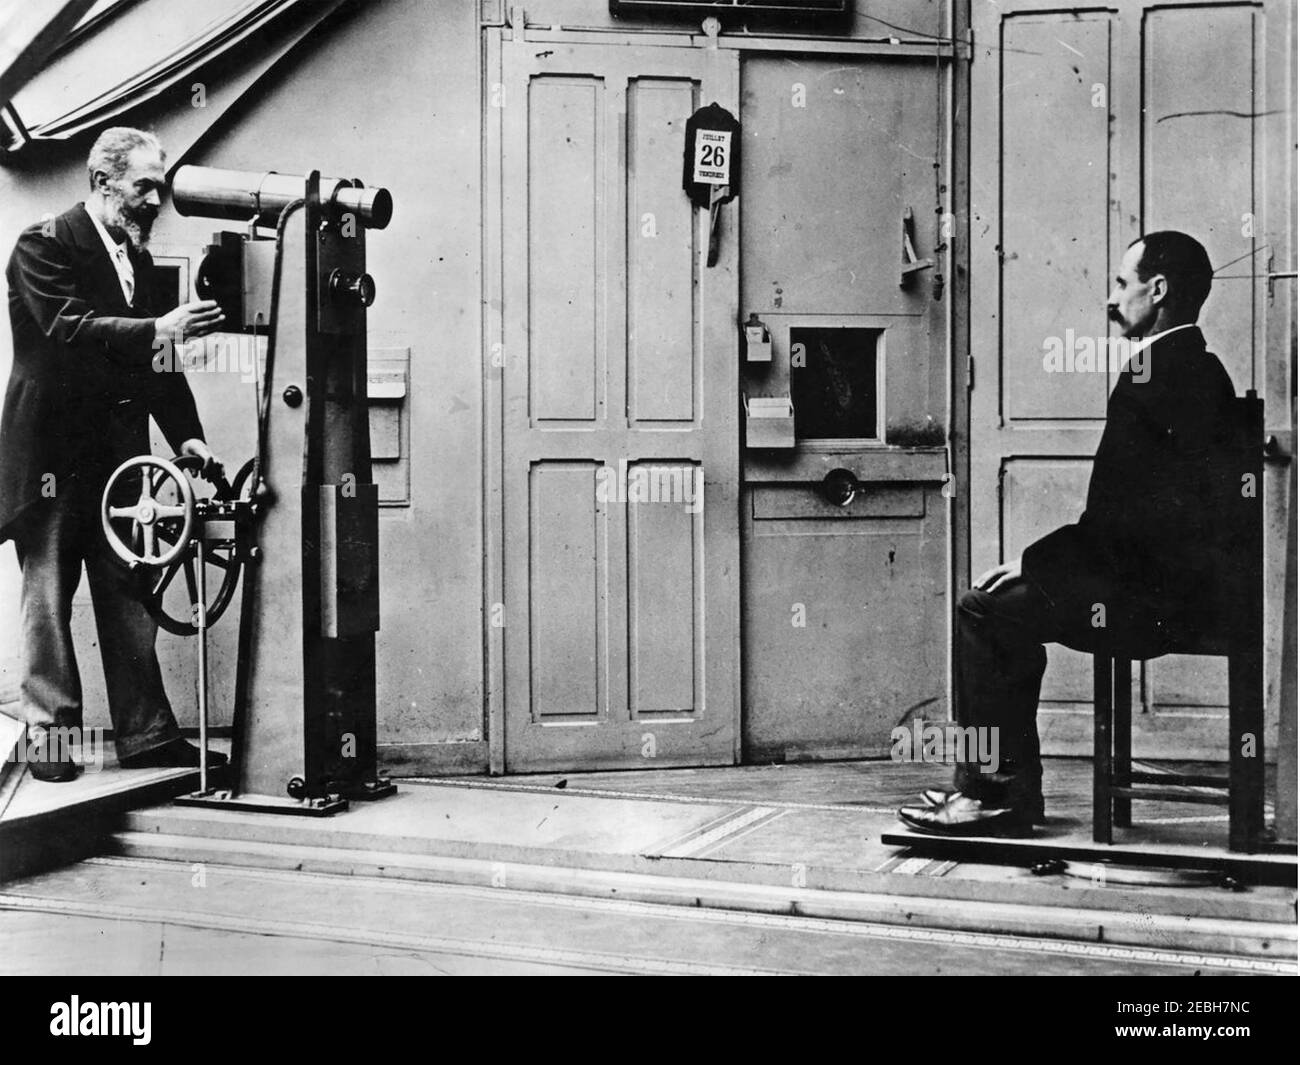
80	395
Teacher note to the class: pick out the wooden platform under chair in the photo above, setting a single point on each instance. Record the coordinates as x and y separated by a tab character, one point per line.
1165	835
1147	846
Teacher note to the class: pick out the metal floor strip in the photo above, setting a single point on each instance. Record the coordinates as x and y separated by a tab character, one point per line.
696	843
735	837
602	793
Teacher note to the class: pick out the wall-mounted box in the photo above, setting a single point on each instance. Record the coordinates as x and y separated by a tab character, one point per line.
758	341
387	388
769	422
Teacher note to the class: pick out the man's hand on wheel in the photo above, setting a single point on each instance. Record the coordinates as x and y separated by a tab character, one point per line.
999	575
212	466
187	321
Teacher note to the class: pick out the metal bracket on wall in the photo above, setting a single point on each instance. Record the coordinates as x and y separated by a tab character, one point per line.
911	264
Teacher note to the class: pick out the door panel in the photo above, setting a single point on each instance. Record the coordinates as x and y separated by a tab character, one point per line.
1044	238
1055	254
1033	493
1200	158
845	607
620	436
567	577
1087	130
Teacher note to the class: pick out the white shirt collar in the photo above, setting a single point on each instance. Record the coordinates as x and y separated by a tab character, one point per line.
1146	342
118	253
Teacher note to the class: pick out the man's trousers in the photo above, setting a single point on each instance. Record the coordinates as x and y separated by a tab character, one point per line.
54	538
1000	659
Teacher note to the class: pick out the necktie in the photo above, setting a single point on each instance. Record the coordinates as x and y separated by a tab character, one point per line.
125	272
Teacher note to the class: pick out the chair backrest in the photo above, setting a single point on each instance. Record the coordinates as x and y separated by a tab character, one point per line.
1238	482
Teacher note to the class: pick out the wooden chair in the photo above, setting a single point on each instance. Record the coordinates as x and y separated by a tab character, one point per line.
1239	636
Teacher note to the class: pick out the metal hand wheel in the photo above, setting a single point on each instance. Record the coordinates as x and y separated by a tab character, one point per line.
151	531
219	556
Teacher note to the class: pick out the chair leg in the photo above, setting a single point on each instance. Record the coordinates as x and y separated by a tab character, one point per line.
1245	750
1101	747
1123	739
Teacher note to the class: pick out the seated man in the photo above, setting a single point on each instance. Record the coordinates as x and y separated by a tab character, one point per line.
1130	573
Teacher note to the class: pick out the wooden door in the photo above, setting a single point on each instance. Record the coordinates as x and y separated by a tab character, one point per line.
1090	127
619	385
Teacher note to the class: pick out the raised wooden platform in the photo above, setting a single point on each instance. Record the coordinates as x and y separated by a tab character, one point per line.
45	825
1071	841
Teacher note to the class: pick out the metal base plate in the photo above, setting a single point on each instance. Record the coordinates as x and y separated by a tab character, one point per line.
264	804
369	790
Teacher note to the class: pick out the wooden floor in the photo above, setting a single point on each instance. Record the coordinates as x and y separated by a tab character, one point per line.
1186	835
802	843
882	787
801	838
142	917
129	916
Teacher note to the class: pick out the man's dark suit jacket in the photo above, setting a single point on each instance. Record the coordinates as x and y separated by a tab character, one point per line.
83	385
1152	531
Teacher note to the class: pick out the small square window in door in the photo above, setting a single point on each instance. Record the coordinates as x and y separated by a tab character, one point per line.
834	383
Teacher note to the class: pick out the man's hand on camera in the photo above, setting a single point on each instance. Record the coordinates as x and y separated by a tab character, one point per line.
187	321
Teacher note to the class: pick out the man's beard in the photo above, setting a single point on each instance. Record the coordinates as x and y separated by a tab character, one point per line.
136	223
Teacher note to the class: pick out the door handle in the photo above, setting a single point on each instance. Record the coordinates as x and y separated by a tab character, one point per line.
839	487
1278	447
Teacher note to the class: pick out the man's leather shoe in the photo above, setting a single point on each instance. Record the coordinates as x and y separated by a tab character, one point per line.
51	763
938	796
959	815
175	754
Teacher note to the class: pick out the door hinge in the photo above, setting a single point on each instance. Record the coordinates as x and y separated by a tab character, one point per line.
970	373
